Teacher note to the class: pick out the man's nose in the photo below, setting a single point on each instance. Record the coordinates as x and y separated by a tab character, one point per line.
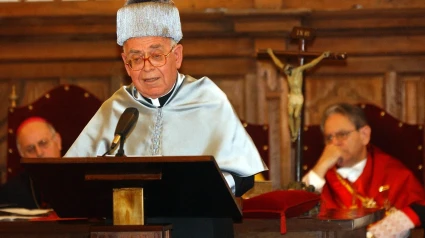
39	152
147	65
336	141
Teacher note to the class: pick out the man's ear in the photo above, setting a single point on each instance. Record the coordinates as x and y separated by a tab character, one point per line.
178	54
365	133
124	59
58	140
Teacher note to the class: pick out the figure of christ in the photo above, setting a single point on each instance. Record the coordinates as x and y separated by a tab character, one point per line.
294	76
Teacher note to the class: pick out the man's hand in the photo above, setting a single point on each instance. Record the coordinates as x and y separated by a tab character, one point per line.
330	156
397	224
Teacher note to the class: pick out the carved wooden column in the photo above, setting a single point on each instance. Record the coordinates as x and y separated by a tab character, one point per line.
275	106
393	89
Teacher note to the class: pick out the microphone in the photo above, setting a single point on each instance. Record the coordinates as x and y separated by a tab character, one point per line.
126	122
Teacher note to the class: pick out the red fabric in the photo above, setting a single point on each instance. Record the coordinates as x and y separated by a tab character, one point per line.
30	119
412	215
52	216
381	169
279	204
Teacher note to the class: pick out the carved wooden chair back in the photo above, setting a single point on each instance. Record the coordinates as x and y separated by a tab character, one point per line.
260	136
67	107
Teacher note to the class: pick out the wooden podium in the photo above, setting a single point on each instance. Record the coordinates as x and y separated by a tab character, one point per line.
173	186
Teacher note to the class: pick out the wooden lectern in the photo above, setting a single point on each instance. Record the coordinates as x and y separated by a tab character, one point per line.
173	186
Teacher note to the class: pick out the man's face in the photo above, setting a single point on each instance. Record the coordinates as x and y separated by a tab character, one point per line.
341	132
152	81
37	140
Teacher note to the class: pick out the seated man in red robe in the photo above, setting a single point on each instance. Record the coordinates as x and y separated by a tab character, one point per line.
350	173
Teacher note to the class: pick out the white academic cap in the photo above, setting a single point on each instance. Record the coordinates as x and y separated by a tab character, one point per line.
138	18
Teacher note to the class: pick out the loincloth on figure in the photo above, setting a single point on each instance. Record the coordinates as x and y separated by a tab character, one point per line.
296	99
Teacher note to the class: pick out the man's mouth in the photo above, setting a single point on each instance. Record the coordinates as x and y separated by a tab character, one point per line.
148	80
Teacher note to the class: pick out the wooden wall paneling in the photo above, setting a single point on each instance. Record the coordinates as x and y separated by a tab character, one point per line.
368	65
320	92
286	165
275	43
49	69
199	25
36	88
81	8
217	66
360	4
234	88
276	92
53	50
213	4
367	21
60	8
412	99
421	100
365	45
40	27
262	112
393	96
117	81
266	23
253	91
99	87
218	47
268	4
197	28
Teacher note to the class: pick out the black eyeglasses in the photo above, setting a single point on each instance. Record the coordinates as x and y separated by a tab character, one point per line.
339	136
137	63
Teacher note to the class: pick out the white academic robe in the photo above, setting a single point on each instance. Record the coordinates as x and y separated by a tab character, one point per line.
197	119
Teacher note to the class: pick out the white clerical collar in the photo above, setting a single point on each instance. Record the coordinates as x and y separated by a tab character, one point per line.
156	101
354	172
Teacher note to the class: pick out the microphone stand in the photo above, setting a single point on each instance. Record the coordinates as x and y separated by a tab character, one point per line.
120	152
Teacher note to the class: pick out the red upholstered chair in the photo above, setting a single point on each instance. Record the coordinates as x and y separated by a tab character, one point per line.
401	140
69	108
260	135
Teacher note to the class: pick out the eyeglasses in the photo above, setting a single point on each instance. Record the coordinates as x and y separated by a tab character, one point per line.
339	136
43	144
137	62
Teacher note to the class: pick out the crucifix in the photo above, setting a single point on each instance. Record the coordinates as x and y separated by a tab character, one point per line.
295	78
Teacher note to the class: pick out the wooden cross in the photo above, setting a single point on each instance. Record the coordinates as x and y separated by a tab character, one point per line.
295	78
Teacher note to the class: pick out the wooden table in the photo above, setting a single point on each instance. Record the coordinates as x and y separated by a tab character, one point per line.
309	227
79	229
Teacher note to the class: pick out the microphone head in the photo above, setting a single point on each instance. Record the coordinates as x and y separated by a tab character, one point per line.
126	122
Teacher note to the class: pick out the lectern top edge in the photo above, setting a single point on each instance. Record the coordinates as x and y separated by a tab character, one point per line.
128	159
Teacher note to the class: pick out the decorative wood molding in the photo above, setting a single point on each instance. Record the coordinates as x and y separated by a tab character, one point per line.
393	100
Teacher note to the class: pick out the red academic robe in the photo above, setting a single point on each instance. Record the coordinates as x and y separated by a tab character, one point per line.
381	169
